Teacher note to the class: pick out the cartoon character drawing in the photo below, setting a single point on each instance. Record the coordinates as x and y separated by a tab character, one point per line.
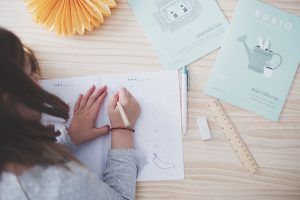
162	164
261	59
174	14
183	8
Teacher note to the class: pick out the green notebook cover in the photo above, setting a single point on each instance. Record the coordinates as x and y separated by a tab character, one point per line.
258	59
181	31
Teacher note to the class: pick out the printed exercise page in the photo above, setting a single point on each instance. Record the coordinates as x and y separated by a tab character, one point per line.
93	153
158	131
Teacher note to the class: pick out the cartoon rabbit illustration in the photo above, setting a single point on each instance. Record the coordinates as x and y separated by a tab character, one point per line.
262	57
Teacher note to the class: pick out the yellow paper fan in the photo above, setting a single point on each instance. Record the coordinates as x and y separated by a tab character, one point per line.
67	17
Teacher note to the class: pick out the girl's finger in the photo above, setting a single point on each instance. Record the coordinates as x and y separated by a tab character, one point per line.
86	97
98	103
123	96
94	97
77	104
129	94
97	132
113	102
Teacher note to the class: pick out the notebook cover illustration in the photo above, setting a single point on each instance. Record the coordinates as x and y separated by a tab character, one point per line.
258	60
181	31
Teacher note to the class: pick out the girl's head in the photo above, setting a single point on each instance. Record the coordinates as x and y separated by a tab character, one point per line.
23	140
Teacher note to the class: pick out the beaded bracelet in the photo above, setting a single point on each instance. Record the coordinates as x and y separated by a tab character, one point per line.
122	128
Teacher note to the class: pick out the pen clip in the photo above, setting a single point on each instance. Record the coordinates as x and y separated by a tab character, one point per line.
188	80
186	71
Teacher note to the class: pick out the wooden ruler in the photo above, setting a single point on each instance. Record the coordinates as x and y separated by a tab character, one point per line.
233	136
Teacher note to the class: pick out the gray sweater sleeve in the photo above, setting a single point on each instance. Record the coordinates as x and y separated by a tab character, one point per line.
65	139
119	181
77	183
60	126
122	167
121	171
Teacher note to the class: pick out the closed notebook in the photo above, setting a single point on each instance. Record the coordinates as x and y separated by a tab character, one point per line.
258	59
181	31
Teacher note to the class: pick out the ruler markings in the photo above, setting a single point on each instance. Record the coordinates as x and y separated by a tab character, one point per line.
233	136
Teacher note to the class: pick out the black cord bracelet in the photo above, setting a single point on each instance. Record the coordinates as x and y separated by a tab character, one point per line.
122	128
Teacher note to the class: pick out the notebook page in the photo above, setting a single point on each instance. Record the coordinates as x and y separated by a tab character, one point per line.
158	131
93	153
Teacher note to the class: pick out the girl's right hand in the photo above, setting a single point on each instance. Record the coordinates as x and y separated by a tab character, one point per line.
123	139
130	106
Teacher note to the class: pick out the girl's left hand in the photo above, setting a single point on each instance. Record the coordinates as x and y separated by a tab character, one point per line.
82	128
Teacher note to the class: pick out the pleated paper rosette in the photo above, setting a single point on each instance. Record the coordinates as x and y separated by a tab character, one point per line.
68	17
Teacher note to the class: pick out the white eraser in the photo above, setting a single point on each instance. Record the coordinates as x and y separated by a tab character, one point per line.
203	128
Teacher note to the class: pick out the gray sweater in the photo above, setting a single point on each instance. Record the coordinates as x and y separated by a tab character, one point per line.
55	182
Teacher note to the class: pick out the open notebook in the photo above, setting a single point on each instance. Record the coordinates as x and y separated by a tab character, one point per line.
158	133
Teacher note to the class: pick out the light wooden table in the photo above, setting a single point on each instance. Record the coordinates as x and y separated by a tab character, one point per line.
212	171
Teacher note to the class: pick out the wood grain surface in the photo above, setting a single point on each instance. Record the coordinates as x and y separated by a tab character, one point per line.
212	170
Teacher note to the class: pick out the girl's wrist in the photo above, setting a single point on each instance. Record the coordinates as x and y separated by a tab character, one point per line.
122	130
122	139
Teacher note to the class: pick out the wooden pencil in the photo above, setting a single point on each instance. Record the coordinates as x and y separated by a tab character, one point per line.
123	115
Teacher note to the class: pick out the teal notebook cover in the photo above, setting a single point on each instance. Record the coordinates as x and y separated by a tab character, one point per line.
258	59
181	31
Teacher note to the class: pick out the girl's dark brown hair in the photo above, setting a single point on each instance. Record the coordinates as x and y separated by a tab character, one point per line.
23	141
35	67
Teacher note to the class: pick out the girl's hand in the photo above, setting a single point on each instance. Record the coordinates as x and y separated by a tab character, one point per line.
82	128
123	139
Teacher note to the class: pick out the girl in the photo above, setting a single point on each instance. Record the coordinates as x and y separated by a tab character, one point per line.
32	164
